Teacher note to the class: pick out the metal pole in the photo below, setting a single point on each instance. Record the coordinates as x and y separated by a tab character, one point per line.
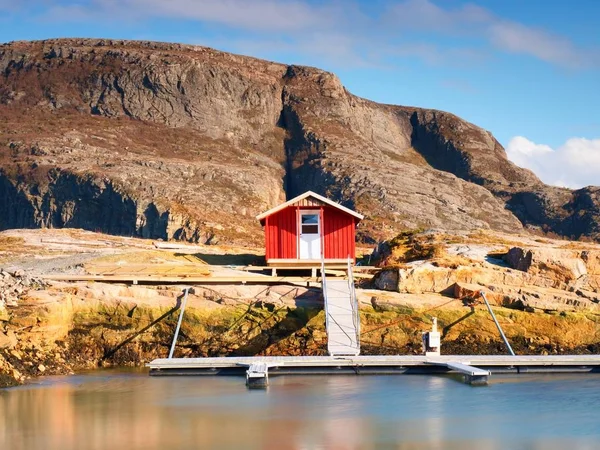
354	302
179	322
510	350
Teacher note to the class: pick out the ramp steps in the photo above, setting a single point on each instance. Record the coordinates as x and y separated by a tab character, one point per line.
342	317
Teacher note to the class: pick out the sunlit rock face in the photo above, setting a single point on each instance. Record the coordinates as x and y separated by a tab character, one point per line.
183	142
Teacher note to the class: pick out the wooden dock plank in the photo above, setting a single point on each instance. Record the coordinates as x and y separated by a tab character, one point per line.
192	279
332	365
493	361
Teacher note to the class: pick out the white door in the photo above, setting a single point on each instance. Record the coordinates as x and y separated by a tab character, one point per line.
310	235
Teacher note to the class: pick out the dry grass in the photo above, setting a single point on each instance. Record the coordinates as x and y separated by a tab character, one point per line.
483	237
217	256
410	156
12	247
452	261
148	257
412	245
119	135
10	243
578	245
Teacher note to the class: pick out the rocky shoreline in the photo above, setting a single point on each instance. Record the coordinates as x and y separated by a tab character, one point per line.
64	337
545	292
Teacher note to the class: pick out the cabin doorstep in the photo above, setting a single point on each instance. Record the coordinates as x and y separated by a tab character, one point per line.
306	229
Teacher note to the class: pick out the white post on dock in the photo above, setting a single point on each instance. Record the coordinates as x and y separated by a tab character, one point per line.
432	340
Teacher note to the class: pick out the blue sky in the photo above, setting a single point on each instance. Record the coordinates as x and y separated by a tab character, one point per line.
527	70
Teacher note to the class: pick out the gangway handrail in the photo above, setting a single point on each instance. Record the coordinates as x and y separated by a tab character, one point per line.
328	316
181	312
510	350
354	303
324	290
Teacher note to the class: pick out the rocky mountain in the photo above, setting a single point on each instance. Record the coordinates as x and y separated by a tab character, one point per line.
183	142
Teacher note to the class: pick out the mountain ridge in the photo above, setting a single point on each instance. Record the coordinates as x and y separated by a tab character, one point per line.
185	142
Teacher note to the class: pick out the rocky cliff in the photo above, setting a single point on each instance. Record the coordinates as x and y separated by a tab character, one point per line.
173	141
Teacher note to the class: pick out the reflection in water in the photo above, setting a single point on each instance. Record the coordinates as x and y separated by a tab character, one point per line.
435	422
129	410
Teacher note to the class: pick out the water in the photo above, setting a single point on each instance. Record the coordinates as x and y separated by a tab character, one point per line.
130	410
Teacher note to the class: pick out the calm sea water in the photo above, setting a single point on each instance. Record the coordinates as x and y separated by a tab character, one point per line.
130	410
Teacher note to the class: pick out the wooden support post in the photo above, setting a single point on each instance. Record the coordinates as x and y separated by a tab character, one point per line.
273	272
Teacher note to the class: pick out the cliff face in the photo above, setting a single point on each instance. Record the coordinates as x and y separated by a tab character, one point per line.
174	141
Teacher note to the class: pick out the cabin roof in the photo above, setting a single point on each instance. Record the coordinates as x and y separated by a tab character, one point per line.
301	197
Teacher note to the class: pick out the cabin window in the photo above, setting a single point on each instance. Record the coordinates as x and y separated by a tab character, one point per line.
310	224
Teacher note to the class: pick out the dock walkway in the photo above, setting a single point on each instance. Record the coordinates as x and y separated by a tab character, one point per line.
476	368
342	334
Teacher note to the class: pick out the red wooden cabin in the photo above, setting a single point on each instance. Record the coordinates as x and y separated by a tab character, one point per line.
303	230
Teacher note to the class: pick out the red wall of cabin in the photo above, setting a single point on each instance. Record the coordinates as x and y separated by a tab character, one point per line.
338	234
281	238
280	235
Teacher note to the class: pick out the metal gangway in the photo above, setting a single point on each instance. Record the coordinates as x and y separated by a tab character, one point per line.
342	318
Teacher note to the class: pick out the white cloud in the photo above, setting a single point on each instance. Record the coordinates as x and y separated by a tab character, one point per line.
574	164
9	6
256	15
393	29
434	55
517	38
504	35
426	15
331	47
249	14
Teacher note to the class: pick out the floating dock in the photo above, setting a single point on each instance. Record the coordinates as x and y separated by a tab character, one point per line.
475	368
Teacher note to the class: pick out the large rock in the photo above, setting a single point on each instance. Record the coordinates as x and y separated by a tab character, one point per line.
472	292
543	278
528	298
573	269
563	269
8	340
13	286
387	280
422	277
